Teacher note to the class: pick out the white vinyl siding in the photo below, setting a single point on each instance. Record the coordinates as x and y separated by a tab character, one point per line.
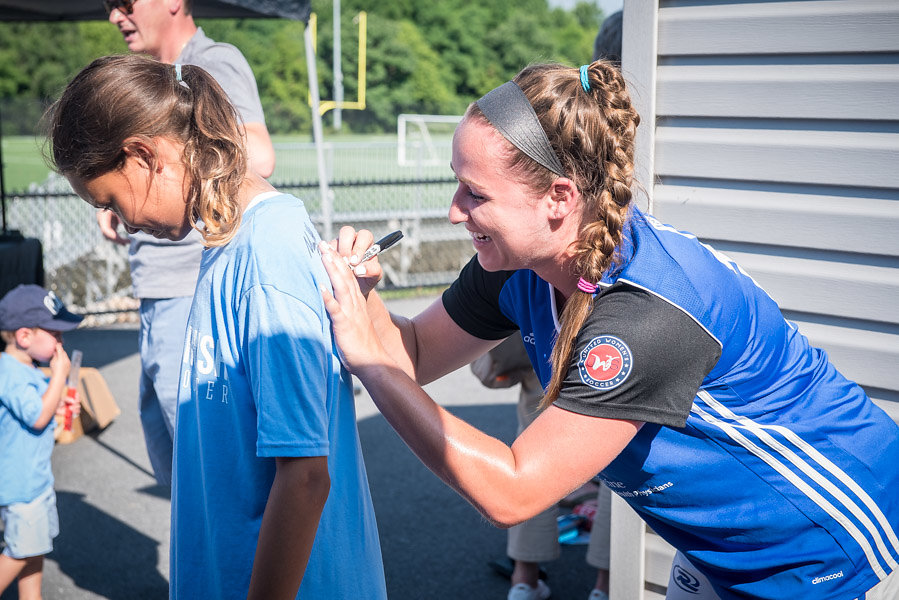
776	140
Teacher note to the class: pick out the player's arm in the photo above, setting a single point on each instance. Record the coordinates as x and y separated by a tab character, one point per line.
508	485
286	534
555	455
562	448
425	347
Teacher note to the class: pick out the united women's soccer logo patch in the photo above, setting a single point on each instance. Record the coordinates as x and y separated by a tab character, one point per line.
605	362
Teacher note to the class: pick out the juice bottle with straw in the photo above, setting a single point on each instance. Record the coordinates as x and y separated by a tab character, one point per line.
72	387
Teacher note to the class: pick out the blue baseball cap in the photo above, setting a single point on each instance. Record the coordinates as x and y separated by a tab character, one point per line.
33	306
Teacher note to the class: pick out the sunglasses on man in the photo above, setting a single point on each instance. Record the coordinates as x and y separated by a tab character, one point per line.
126	7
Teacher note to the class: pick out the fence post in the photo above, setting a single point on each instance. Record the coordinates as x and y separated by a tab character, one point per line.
327	217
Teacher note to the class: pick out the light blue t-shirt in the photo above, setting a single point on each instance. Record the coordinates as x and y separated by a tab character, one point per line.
261	379
25	471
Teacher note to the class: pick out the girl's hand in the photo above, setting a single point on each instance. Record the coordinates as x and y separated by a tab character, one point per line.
359	344
109	225
351	245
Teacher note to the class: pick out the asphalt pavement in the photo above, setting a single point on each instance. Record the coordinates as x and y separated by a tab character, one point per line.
114	518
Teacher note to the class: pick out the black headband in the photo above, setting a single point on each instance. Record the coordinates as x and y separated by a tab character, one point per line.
508	109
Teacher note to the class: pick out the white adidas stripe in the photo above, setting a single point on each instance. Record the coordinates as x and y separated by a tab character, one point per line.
802	485
825	463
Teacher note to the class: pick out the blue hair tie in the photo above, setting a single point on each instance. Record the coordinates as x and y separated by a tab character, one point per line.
181	82
585	78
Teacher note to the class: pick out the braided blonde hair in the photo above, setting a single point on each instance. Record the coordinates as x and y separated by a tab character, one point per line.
592	132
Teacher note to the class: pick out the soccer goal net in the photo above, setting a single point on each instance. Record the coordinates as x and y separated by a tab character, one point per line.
425	140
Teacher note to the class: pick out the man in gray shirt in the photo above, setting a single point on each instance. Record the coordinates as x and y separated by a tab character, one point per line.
164	273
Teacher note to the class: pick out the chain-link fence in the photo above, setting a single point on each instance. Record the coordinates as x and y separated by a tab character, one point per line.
367	189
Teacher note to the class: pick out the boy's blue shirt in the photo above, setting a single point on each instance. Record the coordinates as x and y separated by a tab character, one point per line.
25	457
261	379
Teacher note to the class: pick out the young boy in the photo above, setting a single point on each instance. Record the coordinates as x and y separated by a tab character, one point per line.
31	324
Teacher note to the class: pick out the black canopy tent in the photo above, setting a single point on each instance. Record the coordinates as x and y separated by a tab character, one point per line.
79	10
85	10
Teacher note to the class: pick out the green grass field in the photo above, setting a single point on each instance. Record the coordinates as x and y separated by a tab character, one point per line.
350	158
23	163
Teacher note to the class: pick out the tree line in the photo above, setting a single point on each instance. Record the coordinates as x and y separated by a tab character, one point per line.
422	57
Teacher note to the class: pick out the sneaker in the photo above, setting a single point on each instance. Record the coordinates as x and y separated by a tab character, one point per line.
522	591
597	595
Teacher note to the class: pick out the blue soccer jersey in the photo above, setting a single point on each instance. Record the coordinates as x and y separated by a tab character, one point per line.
262	379
769	470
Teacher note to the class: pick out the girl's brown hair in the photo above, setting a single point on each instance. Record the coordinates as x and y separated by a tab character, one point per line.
132	96
592	132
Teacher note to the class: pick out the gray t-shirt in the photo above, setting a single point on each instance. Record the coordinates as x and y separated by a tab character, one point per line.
166	269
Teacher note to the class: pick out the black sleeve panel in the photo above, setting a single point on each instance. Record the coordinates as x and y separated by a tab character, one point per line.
637	357
472	301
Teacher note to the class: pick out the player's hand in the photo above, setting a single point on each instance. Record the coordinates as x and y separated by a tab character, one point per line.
109	224
59	362
356	338
351	245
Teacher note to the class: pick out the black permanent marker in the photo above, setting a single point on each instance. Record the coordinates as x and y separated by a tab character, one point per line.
382	244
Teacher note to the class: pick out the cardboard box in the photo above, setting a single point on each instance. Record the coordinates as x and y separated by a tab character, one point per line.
98	407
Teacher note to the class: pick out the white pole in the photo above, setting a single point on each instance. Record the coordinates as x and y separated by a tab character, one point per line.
317	137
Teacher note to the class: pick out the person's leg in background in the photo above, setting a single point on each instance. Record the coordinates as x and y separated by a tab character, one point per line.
537	539
598	548
163	323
